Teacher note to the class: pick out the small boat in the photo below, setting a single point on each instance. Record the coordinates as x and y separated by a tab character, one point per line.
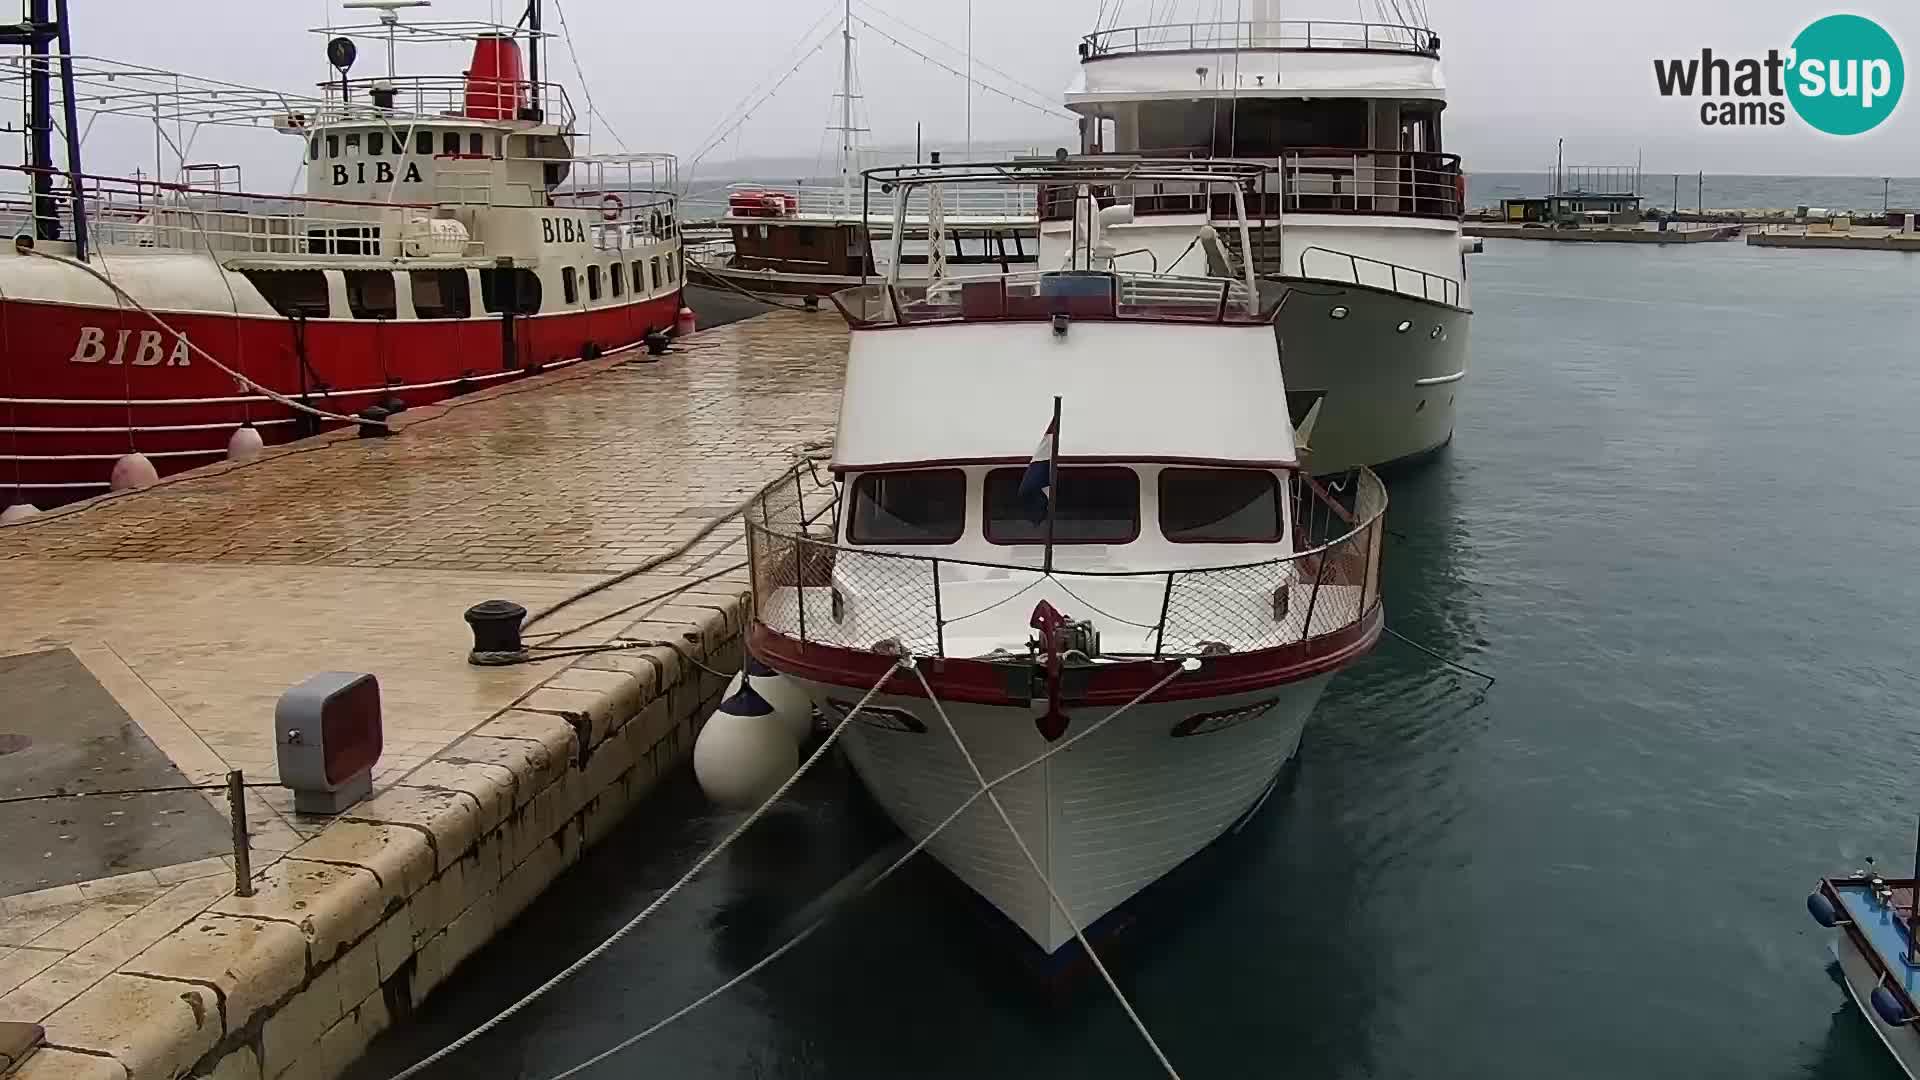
1128	628
812	240
448	238
1875	920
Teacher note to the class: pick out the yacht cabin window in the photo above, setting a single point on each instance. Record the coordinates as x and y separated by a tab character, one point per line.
593	282
376	143
1220	506
450	143
618	271
353	144
569	286
1097	506
1267	127
922	506
423	143
476	144
333	146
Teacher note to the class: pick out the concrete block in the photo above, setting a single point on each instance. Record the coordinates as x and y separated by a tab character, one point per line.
444	898
356	973
153	1027
394	943
448	818
592	713
624	693
298	1025
492	787
399	857
333	906
48	1064
254	963
529	765
239	1065
553	746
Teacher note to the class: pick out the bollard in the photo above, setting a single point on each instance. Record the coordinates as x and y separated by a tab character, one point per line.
242	858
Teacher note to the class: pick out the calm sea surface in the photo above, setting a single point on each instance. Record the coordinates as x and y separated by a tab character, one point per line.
1678	522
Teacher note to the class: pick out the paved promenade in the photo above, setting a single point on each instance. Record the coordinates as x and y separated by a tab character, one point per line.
148	636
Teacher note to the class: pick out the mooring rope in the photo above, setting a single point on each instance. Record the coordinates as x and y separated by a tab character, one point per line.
1450	663
807	452
808	931
268	392
660	901
1054	894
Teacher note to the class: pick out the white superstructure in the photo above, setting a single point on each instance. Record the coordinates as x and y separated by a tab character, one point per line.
1361	220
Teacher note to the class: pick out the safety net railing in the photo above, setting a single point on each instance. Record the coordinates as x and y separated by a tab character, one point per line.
809	588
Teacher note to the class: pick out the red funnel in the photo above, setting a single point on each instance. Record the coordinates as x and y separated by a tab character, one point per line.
496	88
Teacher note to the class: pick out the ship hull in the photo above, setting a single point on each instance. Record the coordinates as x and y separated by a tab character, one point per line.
1386	396
82	384
1105	819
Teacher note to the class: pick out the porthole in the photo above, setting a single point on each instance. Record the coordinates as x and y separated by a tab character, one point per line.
1405	325
1439	332
1338	312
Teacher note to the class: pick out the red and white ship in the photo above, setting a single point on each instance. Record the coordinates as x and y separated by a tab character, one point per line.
449	238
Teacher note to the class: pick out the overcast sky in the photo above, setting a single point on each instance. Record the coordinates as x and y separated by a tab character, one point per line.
668	74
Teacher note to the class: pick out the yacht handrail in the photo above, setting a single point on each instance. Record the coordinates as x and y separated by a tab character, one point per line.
1201	611
828	200
1449	287
1282	34
1127	295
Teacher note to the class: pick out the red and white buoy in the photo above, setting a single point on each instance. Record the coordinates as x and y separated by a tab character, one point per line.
683	323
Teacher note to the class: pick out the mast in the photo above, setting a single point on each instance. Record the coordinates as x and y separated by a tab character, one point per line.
846	105
72	133
533	56
46	216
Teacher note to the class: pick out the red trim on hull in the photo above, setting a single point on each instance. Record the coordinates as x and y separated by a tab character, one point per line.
52	452
982	682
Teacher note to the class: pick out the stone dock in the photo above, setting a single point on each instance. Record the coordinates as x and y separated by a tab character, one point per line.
1602	234
148	636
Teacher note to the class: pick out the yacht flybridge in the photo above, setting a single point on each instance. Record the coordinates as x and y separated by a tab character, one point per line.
1361	218
1155	598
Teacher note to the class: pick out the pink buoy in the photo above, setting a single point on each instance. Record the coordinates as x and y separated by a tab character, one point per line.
133	471
18	512
245	445
683	323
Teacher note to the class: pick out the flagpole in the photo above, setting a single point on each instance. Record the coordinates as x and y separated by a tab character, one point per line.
1053	487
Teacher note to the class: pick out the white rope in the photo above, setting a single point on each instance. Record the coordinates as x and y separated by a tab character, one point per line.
249	384
1020	841
808	931
632	924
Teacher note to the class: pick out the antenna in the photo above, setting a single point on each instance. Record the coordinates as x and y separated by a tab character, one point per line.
389	17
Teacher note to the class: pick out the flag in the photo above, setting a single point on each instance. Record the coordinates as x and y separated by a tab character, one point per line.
1036	487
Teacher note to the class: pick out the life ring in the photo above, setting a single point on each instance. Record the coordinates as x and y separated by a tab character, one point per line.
611	207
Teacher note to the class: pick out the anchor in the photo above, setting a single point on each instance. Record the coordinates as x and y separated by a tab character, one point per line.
1059	637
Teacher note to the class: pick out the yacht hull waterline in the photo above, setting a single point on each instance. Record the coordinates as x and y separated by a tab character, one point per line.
1097	817
1387	396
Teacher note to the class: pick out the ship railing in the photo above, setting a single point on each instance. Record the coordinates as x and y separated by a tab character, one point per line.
1071	294
449	97
1326	264
809	588
1368	181
134	216
1290	34
813	200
